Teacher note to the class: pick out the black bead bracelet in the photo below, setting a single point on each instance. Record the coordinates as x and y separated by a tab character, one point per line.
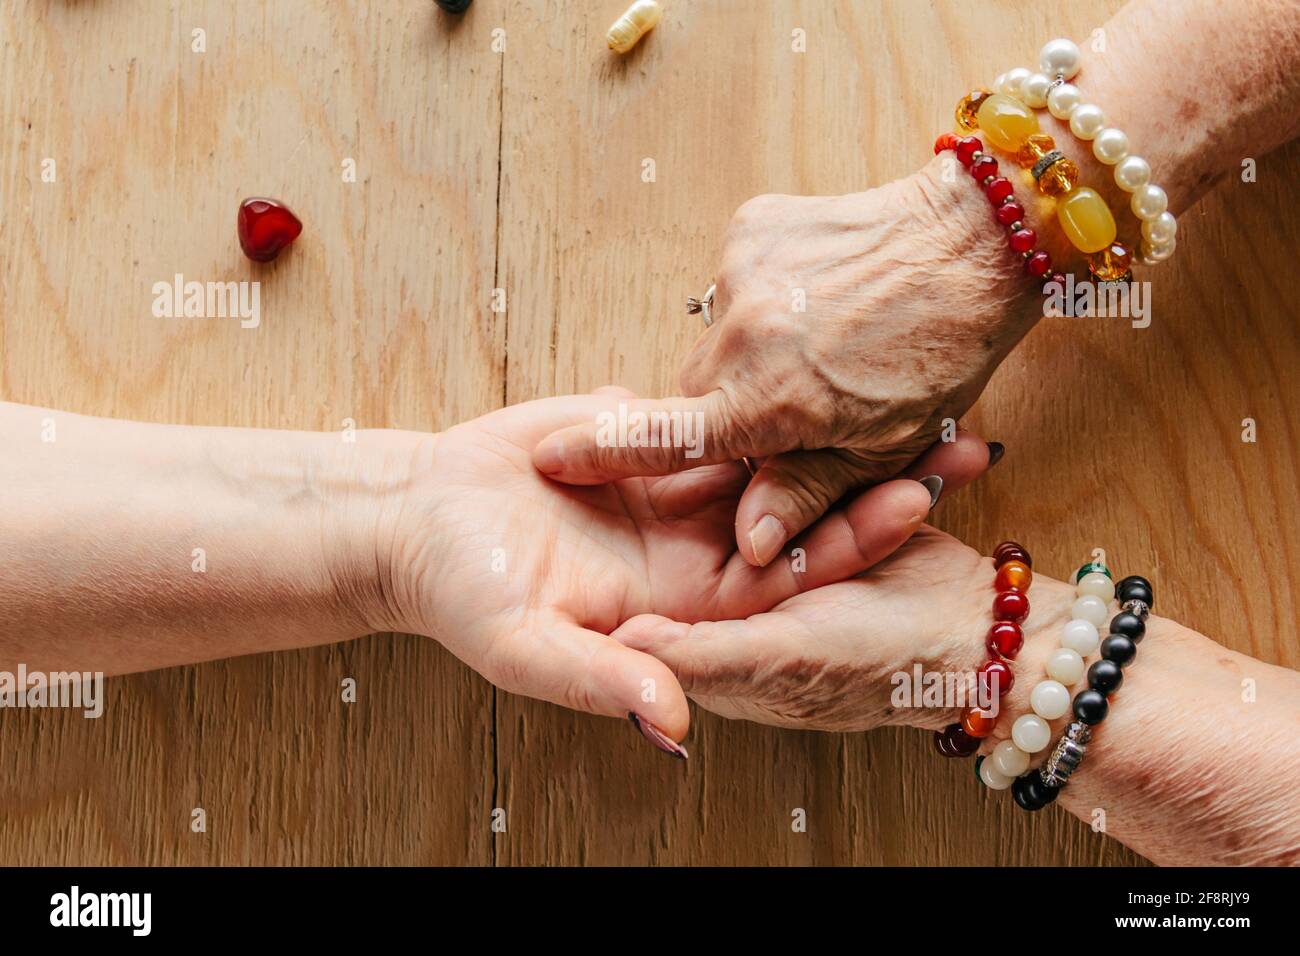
1038	788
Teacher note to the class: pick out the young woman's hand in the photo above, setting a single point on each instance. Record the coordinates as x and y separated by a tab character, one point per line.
846	329
524	578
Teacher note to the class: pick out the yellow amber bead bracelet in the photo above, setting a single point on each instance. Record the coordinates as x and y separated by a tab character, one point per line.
1086	220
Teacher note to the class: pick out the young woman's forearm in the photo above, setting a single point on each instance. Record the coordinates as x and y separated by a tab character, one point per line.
1196	761
128	546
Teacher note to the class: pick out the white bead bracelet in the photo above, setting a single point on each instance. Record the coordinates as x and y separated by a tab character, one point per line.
1050	698
1059	62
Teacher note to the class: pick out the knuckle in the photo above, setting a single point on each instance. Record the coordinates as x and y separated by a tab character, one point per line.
808	491
756	210
578	696
695	376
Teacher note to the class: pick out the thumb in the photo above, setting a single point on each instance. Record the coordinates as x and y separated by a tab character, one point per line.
585	670
641	438
790	492
713	658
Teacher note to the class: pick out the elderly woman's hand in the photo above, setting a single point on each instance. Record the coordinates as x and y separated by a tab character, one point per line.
847	329
835	658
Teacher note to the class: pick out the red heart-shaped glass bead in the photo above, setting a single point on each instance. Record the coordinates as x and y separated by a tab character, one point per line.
266	227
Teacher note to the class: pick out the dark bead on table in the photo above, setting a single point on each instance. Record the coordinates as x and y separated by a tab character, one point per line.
454	6
1118	648
1130	625
1105	676
1090	706
1031	793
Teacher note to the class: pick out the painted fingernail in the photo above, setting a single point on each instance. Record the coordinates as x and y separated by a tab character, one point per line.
934	485
996	451
657	736
766	538
549	458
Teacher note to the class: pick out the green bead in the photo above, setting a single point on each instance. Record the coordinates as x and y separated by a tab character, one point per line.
1089	568
978	761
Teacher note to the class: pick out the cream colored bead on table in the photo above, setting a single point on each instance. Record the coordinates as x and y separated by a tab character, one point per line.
1031	733
1149	201
1066	665
1110	145
1059	58
1087	120
1094	582
1081	636
1063	101
1008	759
1090	608
1132	173
993	778
1049	699
636	21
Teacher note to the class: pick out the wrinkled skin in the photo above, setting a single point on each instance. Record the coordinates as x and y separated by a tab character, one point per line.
823	660
906	292
524	578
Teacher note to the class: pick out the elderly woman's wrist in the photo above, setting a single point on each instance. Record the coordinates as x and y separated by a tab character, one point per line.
964	648
991	297
1050	603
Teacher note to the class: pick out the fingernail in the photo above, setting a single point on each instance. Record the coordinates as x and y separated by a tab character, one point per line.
766	538
934	485
549	458
996	451
657	736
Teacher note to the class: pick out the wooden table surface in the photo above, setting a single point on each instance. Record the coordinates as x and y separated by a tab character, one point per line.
521	169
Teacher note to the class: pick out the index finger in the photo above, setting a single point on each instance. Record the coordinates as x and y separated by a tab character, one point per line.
644	438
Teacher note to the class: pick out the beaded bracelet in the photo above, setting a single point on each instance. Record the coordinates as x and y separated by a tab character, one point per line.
1058	62
1050	698
1084	217
1005	638
1006	210
1038	788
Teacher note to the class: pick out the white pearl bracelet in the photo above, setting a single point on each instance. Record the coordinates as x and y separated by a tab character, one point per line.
1058	62
1050	698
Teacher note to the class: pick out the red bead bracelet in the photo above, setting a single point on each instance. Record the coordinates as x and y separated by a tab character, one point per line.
1006	210
1005	638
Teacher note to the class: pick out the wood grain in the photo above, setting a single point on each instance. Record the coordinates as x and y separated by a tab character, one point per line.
522	170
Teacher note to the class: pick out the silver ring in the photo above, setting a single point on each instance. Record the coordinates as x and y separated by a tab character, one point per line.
703	306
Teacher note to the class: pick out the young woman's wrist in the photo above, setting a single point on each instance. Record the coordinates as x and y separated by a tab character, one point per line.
366	487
